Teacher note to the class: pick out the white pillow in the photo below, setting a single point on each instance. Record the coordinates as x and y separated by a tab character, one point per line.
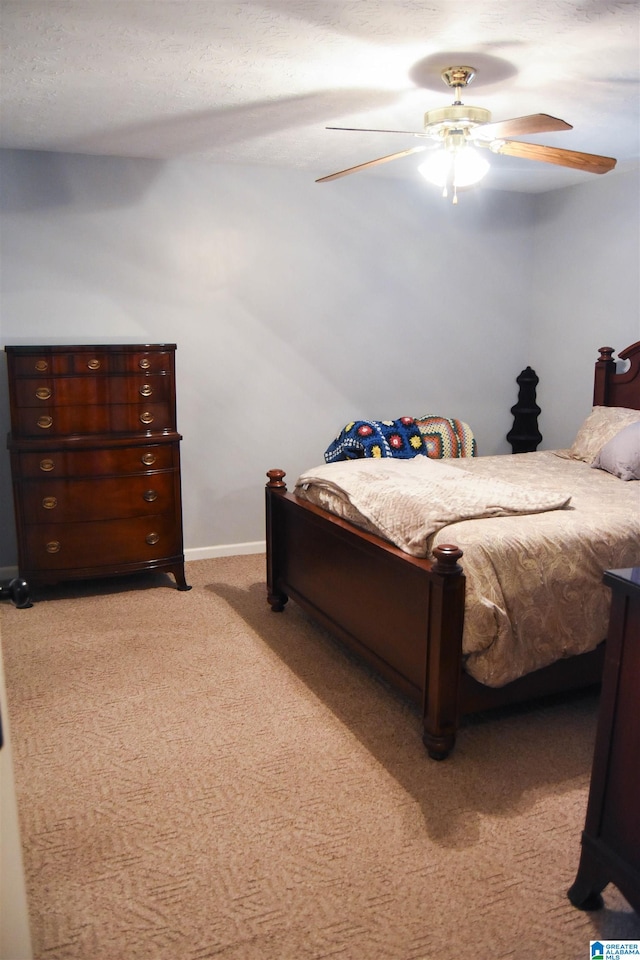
621	455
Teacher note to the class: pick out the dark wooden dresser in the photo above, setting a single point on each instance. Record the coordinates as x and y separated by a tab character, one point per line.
95	461
611	837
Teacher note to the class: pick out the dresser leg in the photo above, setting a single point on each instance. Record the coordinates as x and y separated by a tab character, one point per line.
590	880
178	572
17	590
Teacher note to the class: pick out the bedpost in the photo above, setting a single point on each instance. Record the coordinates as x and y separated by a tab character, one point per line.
275	488
605	368
444	652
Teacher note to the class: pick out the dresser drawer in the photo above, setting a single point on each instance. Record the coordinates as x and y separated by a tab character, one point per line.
90	420
95	361
145	458
63	501
67	546
41	364
67	391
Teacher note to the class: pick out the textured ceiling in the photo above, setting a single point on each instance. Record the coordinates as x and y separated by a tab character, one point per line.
258	82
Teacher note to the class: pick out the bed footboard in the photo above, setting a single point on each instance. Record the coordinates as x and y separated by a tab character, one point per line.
403	615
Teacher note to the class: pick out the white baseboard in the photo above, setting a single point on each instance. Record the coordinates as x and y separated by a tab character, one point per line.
225	550
197	553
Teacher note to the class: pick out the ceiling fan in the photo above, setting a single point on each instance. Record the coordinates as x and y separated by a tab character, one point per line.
457	129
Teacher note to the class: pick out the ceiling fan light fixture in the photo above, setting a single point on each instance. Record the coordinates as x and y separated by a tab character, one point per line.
459	167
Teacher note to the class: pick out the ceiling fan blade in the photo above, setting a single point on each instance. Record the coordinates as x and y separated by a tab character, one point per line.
408	133
371	163
589	162
534	123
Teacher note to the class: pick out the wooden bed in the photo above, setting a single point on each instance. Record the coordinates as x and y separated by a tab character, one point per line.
410	630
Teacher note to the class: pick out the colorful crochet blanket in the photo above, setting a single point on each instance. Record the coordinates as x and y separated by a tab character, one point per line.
377	438
447	438
406	437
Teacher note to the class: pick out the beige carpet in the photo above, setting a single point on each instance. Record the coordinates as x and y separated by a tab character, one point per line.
199	777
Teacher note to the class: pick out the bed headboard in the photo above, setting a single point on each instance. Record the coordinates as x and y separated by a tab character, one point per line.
611	389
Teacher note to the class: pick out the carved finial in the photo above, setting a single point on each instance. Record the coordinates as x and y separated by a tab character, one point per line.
447	556
606	353
276	479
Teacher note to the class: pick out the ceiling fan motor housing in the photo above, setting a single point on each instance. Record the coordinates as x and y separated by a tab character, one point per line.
455	116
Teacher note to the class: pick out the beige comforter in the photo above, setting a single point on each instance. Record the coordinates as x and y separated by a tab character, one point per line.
549	527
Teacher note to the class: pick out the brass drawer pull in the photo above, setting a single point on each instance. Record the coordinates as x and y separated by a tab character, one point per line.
146	390
45	422
150	495
94	364
146	417
43	393
144	363
148	459
50	503
46	465
53	546
41	365
152	538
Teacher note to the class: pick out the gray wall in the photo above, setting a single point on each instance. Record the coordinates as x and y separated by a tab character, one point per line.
297	307
585	292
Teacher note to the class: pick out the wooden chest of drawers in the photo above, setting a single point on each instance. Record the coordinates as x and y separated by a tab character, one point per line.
95	460
611	838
